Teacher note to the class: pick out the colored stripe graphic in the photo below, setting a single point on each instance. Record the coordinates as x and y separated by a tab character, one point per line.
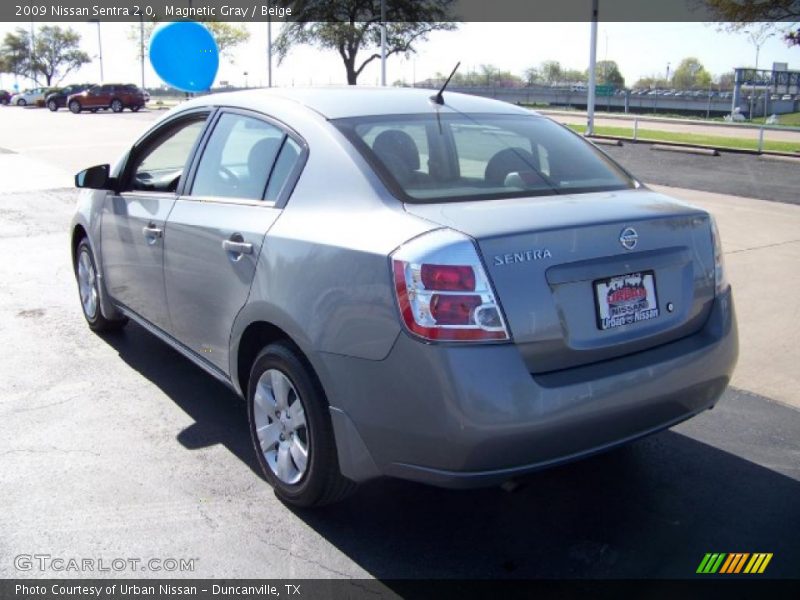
758	563
733	563
741	562
717	564
765	563
703	563
711	562
729	562
737	563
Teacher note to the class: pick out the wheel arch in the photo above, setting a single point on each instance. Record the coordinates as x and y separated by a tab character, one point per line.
256	327
78	233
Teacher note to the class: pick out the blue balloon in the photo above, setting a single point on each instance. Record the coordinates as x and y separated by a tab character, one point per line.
185	55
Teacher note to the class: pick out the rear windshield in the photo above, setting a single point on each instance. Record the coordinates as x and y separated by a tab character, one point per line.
426	158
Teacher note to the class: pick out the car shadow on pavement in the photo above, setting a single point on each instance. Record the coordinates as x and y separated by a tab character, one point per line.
220	416
650	509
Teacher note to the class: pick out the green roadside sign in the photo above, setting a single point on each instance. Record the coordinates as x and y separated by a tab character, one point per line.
604	90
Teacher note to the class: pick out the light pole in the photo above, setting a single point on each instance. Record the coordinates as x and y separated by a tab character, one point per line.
592	72
141	45
269	51
383	42
99	47
757	37
33	54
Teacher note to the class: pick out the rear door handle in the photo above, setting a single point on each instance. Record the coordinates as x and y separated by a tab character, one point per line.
237	247
151	231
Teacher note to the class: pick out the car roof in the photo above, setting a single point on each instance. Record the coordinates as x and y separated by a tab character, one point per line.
357	101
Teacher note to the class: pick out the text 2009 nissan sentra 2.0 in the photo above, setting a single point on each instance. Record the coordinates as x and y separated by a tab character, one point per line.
455	293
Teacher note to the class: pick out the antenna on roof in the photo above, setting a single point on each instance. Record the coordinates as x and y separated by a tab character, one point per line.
438	98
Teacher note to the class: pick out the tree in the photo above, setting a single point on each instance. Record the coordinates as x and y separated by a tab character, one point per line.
56	52
15	52
574	76
726	81
352	26
653	81
736	14
532	76
608	74
551	72
691	74
226	35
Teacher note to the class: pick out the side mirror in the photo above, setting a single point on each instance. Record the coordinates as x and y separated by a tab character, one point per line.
95	178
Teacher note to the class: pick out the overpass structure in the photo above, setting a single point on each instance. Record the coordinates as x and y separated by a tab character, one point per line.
627	102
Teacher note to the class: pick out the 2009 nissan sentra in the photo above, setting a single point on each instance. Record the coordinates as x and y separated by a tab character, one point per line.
455	293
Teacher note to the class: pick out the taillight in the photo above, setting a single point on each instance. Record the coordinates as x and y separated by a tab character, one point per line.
720	275
443	292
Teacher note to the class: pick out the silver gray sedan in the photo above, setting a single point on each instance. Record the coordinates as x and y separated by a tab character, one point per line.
455	293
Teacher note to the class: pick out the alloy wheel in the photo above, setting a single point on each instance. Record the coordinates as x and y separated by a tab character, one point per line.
87	284
281	427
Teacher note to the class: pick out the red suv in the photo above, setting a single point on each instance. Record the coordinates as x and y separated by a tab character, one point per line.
116	96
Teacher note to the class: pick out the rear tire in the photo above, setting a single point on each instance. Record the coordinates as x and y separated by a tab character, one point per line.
52	105
291	429
89	292
75	107
117	106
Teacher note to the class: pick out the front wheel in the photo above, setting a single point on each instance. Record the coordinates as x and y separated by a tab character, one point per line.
117	106
22	102
86	275
291	429
136	107
75	107
52	105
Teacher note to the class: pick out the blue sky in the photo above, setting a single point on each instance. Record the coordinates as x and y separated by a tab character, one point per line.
641	49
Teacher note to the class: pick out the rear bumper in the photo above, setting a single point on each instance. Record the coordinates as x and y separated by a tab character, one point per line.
459	416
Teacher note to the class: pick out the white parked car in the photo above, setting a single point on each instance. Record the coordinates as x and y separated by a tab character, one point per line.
29	97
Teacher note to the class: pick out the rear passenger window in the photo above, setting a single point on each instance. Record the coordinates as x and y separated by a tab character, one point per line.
284	166
238	158
403	147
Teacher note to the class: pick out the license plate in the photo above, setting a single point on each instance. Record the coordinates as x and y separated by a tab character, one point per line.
625	299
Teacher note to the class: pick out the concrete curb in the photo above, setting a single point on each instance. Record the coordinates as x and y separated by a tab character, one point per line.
686	149
605	141
718	149
775	157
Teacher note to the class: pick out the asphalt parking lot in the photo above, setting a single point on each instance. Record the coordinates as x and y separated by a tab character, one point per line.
116	446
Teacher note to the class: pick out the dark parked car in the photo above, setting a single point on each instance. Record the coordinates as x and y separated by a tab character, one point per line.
58	98
5	97
116	96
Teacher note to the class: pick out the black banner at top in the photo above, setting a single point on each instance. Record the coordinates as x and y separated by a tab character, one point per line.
365	10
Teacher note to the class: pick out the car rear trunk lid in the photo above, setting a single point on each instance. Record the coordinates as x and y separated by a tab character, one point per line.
556	264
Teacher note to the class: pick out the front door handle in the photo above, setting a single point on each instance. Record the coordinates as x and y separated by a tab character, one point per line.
151	231
235	247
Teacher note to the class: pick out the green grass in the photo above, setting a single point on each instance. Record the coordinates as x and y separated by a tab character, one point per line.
789	120
692	138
